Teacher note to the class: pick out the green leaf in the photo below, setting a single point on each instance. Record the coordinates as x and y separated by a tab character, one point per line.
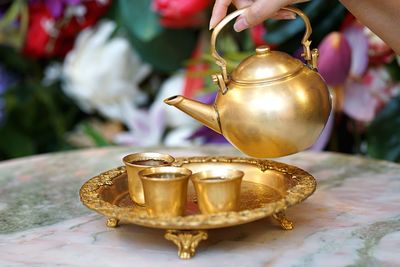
394	70
10	34
11	14
165	49
38	117
96	136
325	16
168	50
384	131
15	144
16	62
138	17
227	44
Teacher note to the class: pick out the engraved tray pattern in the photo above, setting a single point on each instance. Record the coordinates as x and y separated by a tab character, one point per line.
268	187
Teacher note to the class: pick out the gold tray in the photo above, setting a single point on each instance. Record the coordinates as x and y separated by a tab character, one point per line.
268	188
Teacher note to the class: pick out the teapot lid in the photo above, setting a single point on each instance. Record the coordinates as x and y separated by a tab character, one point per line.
266	65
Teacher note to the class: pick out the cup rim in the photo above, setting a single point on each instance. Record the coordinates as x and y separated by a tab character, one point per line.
228	175
165	169
141	156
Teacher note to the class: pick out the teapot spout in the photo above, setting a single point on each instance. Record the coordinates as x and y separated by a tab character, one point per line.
206	114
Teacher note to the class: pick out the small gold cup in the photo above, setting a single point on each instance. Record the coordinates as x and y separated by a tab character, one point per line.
140	161
165	190
218	190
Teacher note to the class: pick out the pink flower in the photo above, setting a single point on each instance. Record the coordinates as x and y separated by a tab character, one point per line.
358	42
364	99
146	127
335	59
323	139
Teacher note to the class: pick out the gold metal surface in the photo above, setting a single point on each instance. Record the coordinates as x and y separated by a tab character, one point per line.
284	222
112	222
217	190
220	61
140	161
268	187
205	114
165	190
186	241
271	105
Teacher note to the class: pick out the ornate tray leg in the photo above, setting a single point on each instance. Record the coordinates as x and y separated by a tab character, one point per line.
284	222
186	241
112	222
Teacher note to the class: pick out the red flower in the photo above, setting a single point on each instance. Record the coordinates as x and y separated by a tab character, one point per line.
48	36
193	83
378	51
37	38
257	34
181	13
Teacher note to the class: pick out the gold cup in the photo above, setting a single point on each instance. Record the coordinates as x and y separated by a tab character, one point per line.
218	190
140	161
165	190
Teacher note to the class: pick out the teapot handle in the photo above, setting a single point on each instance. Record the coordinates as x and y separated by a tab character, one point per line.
308	55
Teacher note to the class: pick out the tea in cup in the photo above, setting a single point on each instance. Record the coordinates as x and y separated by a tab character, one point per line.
218	190
139	161
165	190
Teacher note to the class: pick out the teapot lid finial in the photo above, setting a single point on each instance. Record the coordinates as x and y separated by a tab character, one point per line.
262	50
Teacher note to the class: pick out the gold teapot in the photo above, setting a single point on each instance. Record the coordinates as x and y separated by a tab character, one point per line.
271	105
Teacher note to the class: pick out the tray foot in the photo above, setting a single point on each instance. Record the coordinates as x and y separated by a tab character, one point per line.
186	241
284	222
112	222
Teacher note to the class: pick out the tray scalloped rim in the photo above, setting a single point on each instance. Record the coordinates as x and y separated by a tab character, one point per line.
305	186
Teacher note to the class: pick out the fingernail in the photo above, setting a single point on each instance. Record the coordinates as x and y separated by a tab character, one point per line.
212	24
289	16
240	24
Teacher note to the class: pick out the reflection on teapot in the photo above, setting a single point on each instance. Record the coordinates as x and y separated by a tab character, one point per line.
271	105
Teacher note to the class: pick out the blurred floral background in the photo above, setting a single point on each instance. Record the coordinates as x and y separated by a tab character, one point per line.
90	73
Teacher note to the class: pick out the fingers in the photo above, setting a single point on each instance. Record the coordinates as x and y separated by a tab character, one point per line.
221	7
239	4
219	11
259	11
284	14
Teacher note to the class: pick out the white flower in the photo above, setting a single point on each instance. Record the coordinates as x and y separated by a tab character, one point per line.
52	73
102	73
147	127
77	11
174	85
49	26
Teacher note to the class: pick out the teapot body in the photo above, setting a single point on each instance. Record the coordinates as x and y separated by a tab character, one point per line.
271	105
274	118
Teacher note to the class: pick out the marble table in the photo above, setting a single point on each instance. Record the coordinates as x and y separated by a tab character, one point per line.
353	219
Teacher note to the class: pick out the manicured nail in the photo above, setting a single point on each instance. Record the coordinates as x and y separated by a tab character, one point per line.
289	16
212	23
240	24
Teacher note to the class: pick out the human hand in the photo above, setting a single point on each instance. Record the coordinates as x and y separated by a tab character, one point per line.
257	12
